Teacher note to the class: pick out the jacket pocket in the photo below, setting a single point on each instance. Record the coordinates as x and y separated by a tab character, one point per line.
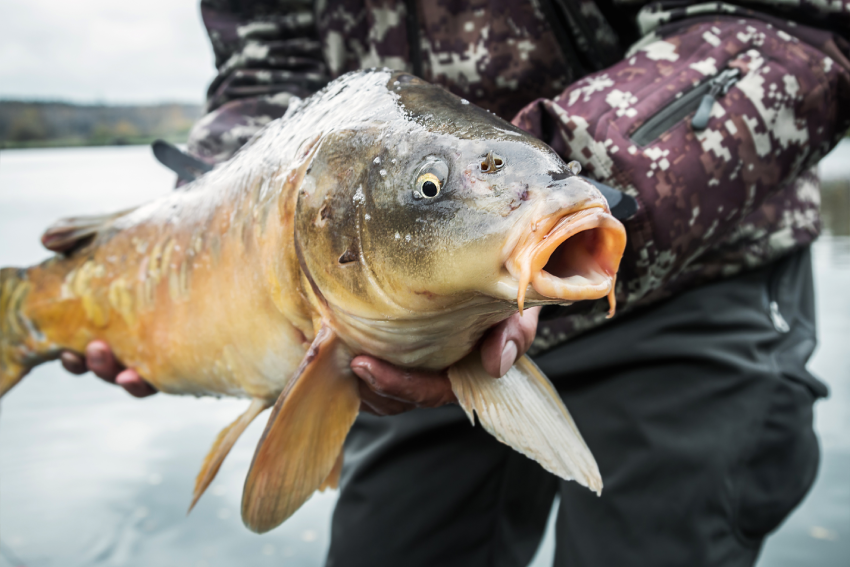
698	100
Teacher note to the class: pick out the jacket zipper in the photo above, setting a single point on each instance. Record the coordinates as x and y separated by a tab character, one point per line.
701	99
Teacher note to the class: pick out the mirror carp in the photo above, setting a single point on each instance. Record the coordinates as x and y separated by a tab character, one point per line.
381	216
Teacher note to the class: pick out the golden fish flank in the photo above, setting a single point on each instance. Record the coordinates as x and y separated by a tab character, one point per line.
380	216
121	300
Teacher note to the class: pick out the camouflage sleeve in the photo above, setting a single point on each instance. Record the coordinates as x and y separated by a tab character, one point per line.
825	14
266	52
832	14
716	200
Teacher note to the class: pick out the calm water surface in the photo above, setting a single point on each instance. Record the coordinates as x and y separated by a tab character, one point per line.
91	476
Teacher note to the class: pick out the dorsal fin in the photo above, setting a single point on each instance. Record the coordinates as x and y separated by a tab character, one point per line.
66	235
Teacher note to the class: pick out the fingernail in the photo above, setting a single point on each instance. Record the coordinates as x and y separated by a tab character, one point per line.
509	353
97	358
364	374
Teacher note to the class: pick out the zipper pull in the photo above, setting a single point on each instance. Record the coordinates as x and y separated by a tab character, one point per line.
720	85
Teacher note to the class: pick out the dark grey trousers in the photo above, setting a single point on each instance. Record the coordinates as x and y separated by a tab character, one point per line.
699	414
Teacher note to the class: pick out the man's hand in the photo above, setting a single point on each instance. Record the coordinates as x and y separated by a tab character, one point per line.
100	360
384	389
389	390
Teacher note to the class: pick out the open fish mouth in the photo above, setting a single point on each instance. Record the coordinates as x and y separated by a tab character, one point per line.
570	257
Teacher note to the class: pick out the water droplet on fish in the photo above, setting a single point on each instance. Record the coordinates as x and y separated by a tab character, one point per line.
383	172
396	83
417	195
367	216
392	161
376	161
407	237
397	236
464	101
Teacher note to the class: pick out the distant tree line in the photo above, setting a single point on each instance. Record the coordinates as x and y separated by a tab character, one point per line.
41	124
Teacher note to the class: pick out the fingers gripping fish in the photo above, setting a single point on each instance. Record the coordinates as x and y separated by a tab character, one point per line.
381	216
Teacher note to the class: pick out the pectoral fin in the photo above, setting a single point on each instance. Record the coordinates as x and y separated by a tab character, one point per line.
332	481
304	436
522	409
221	447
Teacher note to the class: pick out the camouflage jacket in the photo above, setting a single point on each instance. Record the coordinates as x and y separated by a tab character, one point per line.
733	195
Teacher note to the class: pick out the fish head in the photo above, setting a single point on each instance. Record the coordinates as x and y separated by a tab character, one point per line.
446	204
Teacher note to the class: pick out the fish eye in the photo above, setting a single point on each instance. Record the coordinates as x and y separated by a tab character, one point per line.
431	178
428	185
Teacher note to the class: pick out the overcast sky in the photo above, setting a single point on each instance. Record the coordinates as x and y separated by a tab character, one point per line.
113	51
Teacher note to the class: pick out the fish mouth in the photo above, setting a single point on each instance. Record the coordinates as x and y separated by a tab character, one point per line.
570	257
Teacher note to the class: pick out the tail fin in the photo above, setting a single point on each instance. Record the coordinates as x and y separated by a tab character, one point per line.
14	331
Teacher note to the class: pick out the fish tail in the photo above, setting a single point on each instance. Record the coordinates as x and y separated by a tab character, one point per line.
23	337
15	355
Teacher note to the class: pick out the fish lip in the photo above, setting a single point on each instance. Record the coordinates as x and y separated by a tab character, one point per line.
594	261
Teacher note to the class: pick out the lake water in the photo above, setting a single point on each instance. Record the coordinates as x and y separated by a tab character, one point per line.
90	476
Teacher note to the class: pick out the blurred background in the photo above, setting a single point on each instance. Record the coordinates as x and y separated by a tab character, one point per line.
91	476
94	72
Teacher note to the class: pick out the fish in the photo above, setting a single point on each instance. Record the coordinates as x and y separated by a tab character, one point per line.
382	216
